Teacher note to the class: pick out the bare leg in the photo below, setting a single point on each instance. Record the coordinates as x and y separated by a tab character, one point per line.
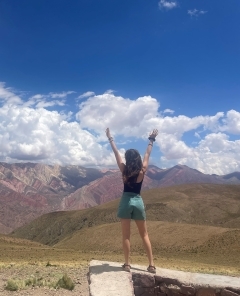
142	228
126	239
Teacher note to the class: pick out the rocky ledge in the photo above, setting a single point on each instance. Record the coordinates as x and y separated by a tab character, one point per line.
145	285
108	279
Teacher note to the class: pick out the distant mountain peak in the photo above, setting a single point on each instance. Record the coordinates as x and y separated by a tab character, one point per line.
232	175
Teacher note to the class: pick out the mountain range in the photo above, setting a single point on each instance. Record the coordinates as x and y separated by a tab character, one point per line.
29	190
195	223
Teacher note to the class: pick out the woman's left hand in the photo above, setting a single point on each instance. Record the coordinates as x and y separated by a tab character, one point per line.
108	134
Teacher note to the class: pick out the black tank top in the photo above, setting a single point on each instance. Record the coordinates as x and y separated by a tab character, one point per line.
135	187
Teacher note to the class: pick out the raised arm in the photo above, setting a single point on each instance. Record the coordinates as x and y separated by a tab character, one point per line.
115	150
151	138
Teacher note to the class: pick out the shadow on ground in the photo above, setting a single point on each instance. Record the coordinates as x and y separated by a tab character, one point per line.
98	269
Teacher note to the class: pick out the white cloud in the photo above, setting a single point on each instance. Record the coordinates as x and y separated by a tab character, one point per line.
86	95
164	4
30	132
125	117
168	111
135	118
195	12
61	95
8	96
172	147
196	134
109	91
37	97
46	104
231	123
215	154
42	135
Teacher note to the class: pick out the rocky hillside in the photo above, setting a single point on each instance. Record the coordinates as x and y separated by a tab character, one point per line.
28	190
110	186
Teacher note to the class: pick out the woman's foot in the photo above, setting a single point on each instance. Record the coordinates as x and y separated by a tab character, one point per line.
126	267
151	268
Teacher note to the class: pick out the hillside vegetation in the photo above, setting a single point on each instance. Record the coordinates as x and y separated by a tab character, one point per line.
197	204
193	227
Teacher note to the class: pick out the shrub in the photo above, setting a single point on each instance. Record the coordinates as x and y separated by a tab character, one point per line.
65	282
49	264
11	285
28	282
34	282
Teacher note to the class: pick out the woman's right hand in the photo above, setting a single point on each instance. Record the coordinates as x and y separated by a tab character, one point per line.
153	134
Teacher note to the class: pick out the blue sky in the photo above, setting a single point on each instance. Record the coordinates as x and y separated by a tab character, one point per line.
70	69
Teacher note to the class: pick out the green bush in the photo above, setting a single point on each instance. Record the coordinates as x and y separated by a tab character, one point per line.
65	282
11	285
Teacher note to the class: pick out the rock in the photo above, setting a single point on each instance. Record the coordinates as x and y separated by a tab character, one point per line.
160	279
140	291
187	290
206	292
226	292
143	280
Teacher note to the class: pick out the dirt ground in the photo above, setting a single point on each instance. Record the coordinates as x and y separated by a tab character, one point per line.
77	269
49	274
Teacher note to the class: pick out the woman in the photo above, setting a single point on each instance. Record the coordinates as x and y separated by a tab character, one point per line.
131	204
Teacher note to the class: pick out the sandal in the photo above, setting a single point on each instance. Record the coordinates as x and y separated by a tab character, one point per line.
151	268
126	267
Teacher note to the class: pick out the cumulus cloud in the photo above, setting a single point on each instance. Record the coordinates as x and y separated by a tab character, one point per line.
134	118
215	154
39	134
31	132
231	123
195	12
125	117
164	4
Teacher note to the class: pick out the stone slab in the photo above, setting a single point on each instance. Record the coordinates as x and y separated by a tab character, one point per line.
108	279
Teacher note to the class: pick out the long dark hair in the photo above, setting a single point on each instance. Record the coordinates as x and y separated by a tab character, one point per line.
133	166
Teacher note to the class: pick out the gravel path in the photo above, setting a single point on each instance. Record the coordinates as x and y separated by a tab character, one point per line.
49	274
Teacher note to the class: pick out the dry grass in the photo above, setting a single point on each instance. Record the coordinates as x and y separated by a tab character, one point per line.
38	279
175	246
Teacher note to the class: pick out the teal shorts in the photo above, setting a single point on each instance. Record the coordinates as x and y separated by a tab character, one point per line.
131	206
